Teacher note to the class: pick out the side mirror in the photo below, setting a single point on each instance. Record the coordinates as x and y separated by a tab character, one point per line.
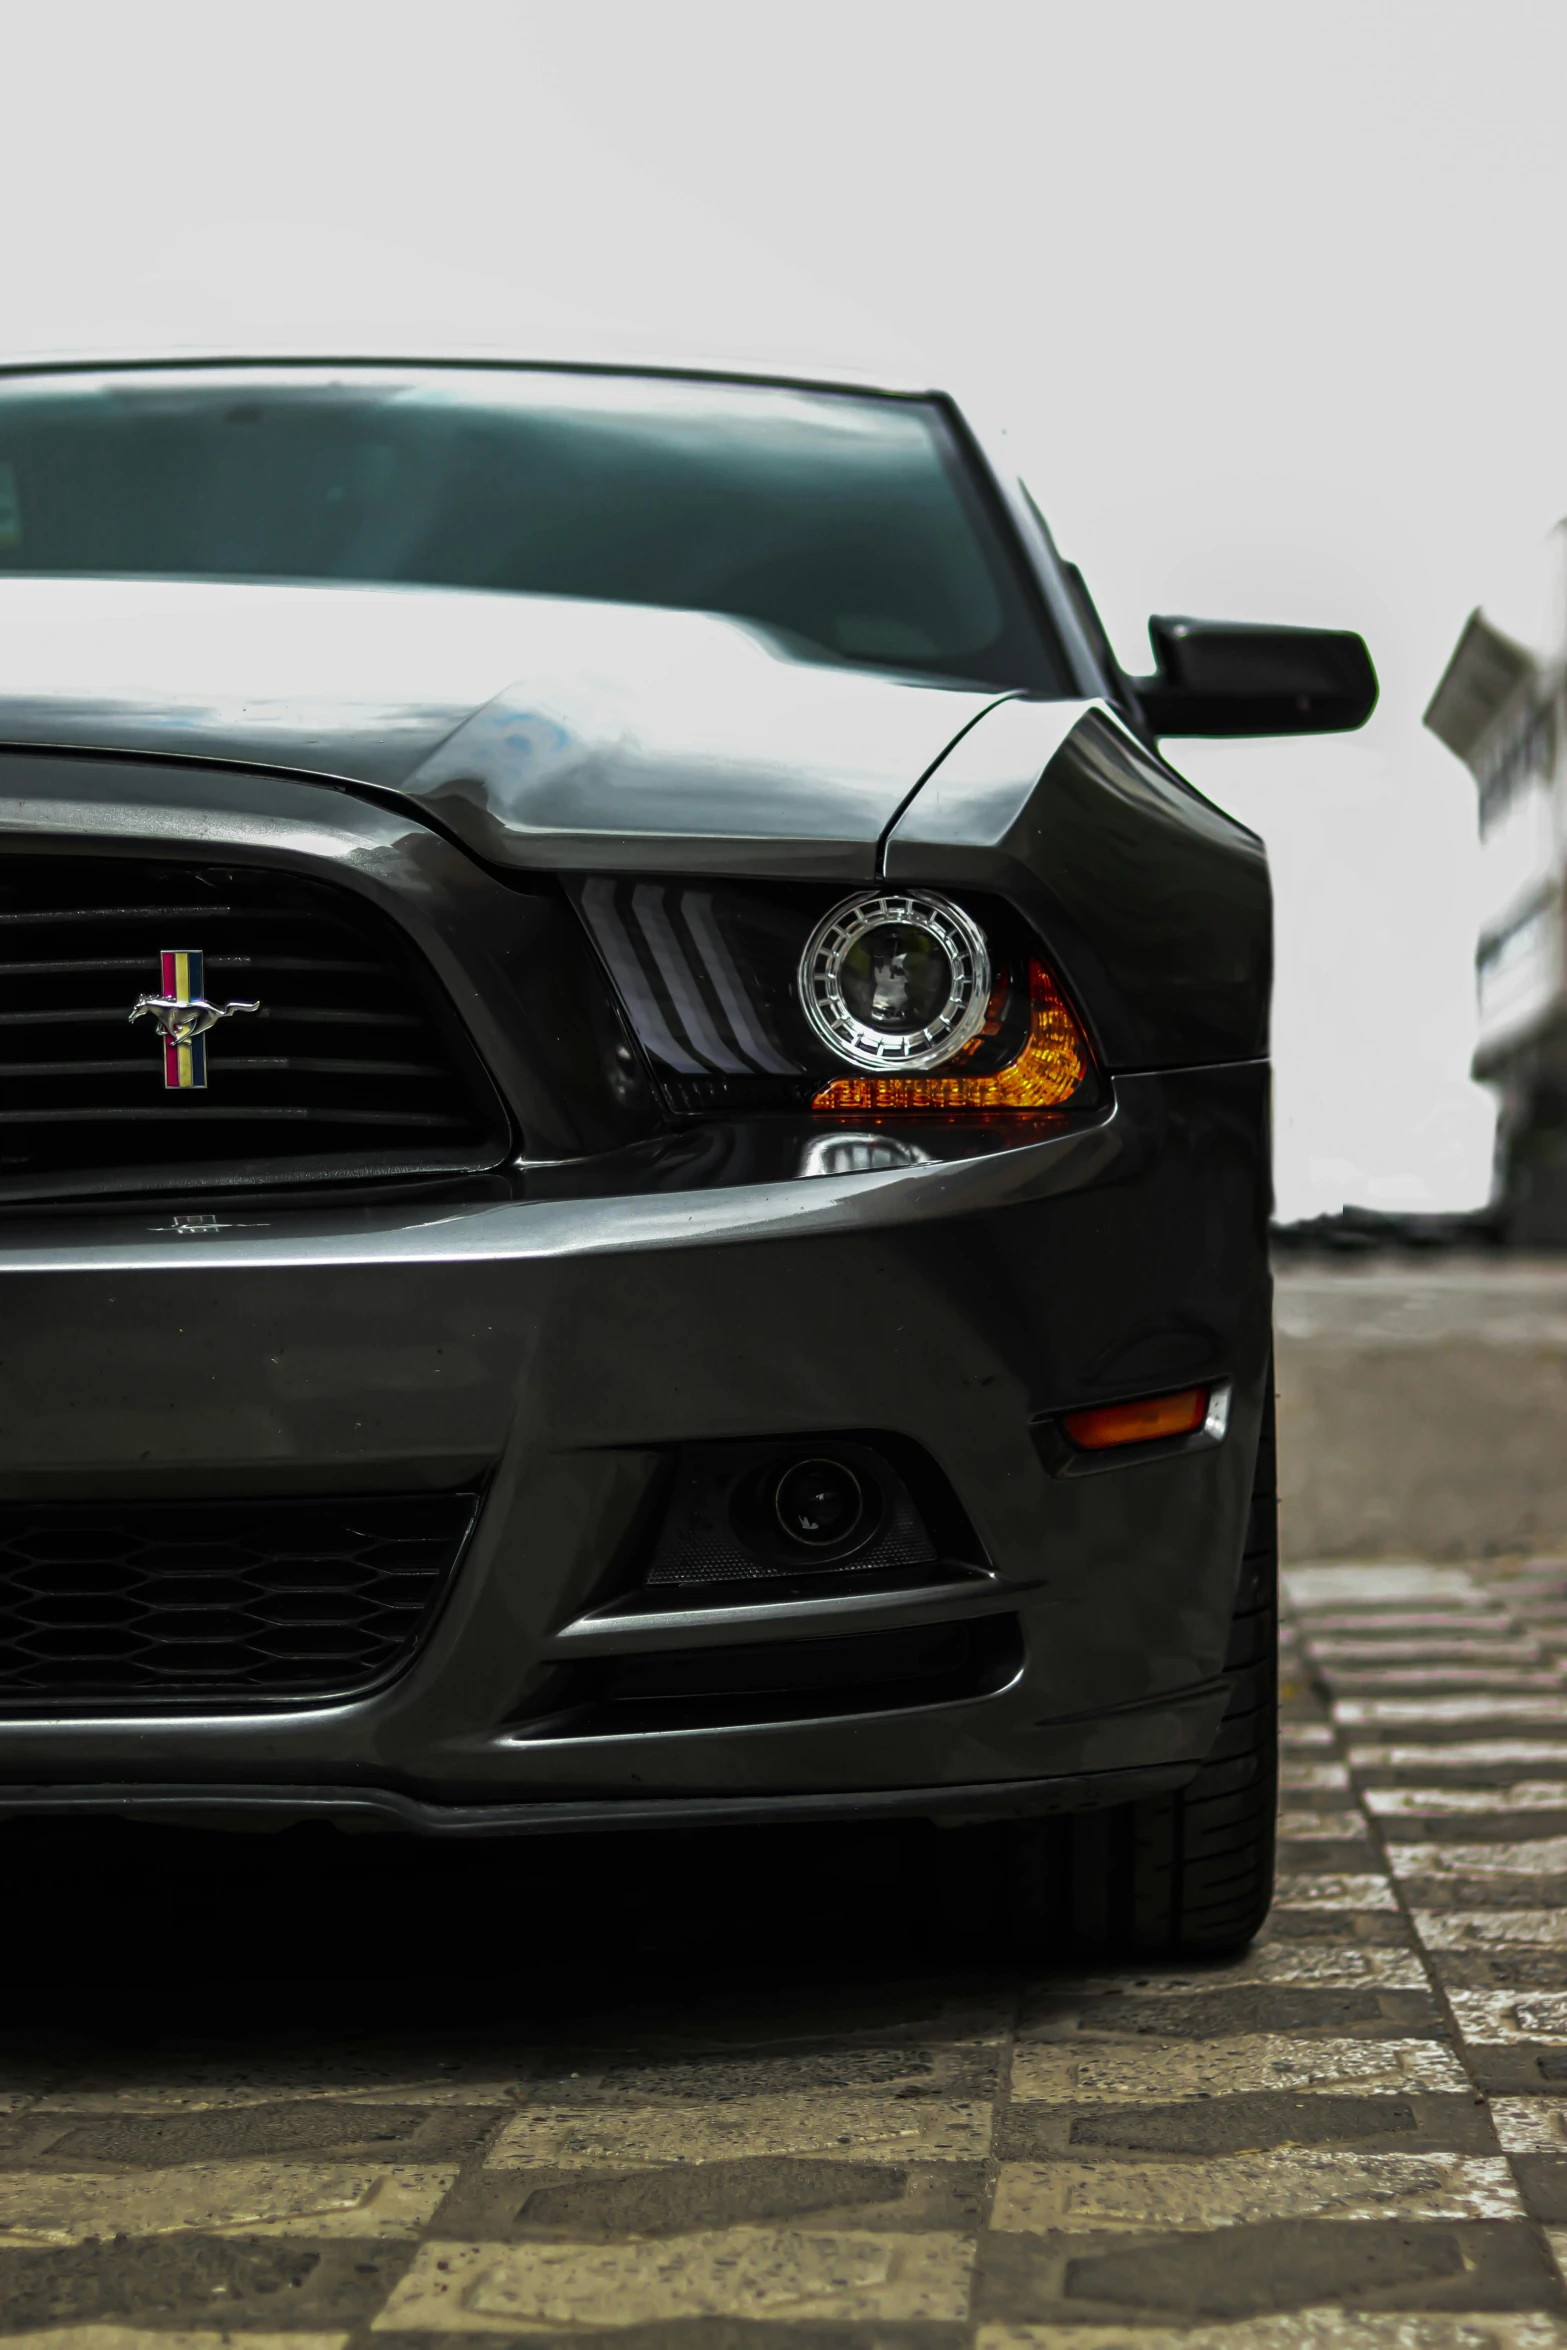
1229	677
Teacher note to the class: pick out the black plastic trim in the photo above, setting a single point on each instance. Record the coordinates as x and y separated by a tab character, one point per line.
384	1807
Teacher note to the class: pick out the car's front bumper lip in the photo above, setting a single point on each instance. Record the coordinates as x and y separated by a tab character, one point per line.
244	1804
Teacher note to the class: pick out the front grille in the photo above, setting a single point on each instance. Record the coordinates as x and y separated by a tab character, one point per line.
354	1066
218	1602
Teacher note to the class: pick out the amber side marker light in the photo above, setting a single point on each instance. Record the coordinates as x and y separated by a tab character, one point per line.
1144	1422
1050	1069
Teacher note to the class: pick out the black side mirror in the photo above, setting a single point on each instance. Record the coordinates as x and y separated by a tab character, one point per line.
1229	677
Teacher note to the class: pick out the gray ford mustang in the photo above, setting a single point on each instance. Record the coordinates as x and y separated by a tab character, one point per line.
634	1140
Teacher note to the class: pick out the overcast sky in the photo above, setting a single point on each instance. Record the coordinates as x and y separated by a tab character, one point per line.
1269	298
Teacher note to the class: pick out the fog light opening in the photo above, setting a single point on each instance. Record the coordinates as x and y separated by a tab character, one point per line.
819	1503
1150	1419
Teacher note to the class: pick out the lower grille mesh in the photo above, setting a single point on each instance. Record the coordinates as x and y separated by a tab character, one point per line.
219	1601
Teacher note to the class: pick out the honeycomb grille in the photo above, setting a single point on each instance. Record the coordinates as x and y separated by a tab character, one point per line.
219	1602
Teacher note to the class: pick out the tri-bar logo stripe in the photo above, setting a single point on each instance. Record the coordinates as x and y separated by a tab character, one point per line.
184	1064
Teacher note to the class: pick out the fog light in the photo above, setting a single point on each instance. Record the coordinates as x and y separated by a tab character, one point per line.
1143	1422
819	1503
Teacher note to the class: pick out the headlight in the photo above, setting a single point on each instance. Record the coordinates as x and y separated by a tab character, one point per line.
896	980
749	997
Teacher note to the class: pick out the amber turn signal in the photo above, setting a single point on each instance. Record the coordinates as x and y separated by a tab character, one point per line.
1138	1423
1050	1069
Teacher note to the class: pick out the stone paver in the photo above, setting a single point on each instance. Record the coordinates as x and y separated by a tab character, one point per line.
1352	2137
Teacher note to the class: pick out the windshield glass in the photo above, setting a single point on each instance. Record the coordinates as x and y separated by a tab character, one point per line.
847	523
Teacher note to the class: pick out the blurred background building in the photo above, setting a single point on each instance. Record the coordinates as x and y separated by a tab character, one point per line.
1499	706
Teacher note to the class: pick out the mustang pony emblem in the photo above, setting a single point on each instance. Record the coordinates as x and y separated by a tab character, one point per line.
184	1015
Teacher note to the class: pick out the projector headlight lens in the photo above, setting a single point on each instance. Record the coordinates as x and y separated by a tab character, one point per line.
896	980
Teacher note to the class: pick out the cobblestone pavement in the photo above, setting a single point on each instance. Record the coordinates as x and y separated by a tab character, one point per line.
322	2093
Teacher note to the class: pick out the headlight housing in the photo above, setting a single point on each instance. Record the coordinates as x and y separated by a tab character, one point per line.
756	997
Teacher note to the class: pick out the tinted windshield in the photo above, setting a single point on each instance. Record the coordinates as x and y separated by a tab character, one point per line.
847	523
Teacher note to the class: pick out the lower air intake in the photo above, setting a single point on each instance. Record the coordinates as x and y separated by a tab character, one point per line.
784	1681
238	1603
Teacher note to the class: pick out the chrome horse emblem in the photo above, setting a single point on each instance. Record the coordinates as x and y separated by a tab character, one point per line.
184	1015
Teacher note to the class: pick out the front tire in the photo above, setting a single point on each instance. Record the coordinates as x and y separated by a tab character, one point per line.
1189	1873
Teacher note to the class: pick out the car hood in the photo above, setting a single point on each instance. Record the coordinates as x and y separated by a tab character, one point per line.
540	731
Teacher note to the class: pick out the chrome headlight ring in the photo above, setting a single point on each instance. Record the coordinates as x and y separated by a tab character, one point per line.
927	1022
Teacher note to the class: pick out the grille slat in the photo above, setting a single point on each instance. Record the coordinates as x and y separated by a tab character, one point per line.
316	963
68	966
251	1602
18	917
204	1115
56	1019
345	1016
83	1105
351	1016
138	1070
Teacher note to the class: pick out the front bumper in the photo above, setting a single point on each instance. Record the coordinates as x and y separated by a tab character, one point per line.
553	1343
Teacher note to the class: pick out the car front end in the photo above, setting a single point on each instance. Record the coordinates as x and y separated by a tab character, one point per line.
608	1213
